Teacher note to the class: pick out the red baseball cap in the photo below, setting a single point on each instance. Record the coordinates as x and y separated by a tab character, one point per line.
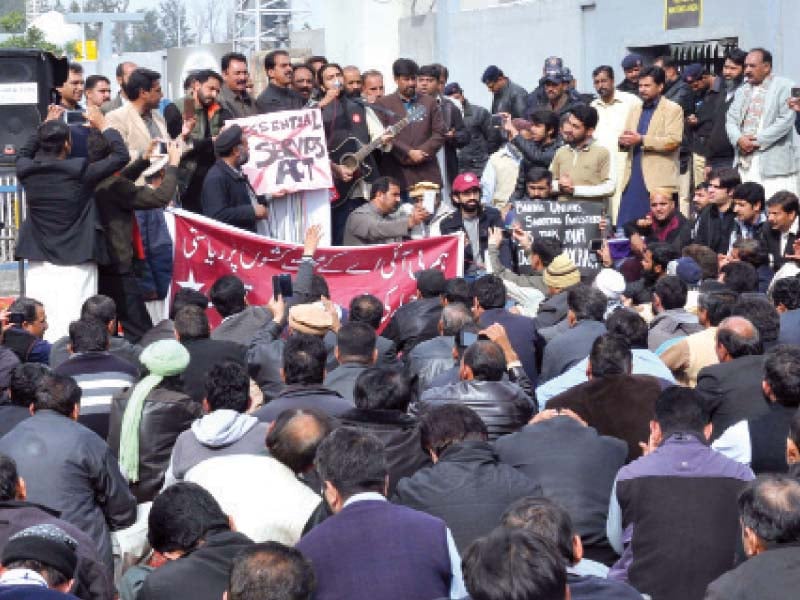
466	181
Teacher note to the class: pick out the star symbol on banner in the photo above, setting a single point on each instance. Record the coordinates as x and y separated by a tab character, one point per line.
191	283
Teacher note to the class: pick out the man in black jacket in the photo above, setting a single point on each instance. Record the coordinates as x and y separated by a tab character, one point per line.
769	510
355	352
716	223
68	468
187	526
781	237
227	194
60	237
418	320
93	581
382	396
467	486
477	122
507	97
720	96
278	95
474	219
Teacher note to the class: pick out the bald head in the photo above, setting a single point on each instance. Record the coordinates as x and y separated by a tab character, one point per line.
295	435
737	337
770	511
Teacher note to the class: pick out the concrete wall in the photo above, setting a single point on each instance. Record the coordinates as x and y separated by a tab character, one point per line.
587	33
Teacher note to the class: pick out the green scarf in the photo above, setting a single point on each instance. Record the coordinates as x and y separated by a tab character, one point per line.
162	359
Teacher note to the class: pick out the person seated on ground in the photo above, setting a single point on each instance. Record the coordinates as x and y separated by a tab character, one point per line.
197	539
21	393
560	275
586	309
503	405
418	320
739	277
67	467
146	419
753	252
224	429
793	446
355	552
99	373
686	357
27	322
193	331
93	580
303	373
265	353
716	223
488	308
706	259
731	391
382	395
655	261
671	320
529	291
611	283
757	309
613	401
434	357
664	223
466	486
38	563
786	297
630	326
760	441
165	329
271	571
239	321
366	308
104	310
548	519
263	494
457	290
695	515
355	353
575	467
510	563
769	512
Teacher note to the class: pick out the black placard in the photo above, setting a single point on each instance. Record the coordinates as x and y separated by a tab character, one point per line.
576	224
679	14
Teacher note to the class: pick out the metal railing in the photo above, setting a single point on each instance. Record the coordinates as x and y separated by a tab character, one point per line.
12	212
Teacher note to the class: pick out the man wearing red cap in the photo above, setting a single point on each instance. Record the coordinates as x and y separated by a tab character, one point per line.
474	219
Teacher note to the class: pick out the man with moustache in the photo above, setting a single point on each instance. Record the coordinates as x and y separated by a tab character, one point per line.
303	82
233	95
353	83
97	90
123	72
413	155
278	95
719	150
475	220
373	86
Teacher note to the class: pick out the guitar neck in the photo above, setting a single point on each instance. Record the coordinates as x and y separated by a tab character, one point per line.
392	130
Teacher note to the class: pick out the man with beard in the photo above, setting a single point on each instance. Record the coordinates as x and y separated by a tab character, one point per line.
278	95
654	261
456	135
303	82
557	97
719	150
632	67
353	83
378	221
413	155
582	169
475	220
233	96
343	118
227	194
208	117
477	122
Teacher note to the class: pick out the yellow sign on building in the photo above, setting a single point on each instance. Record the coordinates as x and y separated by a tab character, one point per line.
89	53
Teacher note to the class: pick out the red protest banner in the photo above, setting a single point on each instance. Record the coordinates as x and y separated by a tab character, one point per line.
287	151
206	250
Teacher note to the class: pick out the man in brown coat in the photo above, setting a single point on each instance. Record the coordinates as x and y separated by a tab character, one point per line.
413	155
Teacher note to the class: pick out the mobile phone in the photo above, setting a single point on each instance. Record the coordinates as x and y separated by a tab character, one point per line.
282	286
162	147
188	107
497	121
74	117
596	245
429	201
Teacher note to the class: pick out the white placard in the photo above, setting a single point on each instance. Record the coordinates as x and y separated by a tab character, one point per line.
19	93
